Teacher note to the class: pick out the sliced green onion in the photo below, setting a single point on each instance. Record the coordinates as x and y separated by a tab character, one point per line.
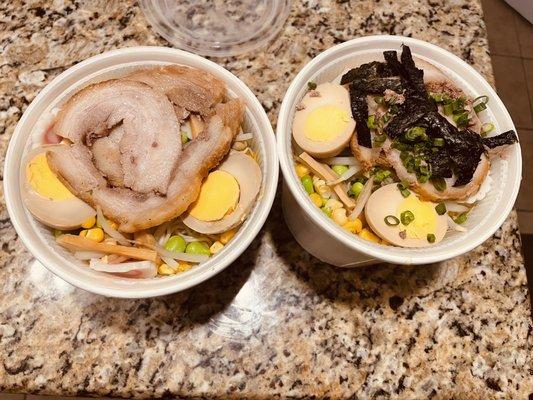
184	137
391	220
448	109
438	142
405	192
437	97
439	184
431	238
415	132
480	107
380	139
482	104
311	85
440	208
407	217
371	122
486	128
379	99
422	178
424	170
403	185
461	119
461	219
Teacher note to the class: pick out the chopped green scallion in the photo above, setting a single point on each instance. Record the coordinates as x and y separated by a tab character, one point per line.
407	217
439	184
461	219
311	85
391	220
431	238
440	208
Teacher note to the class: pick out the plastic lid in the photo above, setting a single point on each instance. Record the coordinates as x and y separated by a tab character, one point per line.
217	28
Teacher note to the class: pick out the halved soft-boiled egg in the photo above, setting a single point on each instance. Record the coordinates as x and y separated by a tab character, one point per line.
226	196
404	221
323	123
47	198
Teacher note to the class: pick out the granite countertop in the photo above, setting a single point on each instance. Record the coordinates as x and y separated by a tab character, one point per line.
277	321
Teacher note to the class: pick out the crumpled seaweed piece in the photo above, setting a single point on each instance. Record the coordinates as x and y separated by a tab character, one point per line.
379	85
508	137
360	115
440	165
371	70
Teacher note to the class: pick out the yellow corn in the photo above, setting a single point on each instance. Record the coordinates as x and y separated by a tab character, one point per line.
225	237
83	233
369	235
164	269
113	224
317	199
89	222
216	247
333	204
339	216
354	226
184	266
95	234
301	170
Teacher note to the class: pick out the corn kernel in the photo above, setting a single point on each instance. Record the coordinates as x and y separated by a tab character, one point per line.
89	222
339	216
95	234
216	247
164	269
354	226
301	170
317	199
333	204
83	233
369	235
225	237
184	266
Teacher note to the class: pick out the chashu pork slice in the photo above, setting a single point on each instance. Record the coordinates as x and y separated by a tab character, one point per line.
150	140
189	89
136	211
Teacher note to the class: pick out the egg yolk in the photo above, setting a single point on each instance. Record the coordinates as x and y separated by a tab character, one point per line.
218	196
425	221
325	124
44	181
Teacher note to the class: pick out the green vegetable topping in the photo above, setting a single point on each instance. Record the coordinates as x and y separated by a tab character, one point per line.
431	238
391	220
371	122
461	119
486	128
440	208
380	139
407	217
380	175
311	85
307	183
448	109
438	142
340	169
356	188
416	132
327	211
184	137
422	178
405	192
480	103
439	184
379	99
176	243
197	248
461	219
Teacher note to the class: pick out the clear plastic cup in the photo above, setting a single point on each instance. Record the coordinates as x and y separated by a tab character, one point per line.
217	28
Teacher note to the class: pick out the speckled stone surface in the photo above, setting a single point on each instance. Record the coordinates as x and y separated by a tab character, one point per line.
276	322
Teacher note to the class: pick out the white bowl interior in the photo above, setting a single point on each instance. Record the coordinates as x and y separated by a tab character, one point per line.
40	240
486	217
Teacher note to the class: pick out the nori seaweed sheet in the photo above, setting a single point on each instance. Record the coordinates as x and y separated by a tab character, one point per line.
462	150
508	137
360	115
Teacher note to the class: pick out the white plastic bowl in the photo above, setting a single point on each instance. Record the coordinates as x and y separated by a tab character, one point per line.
332	244
39	240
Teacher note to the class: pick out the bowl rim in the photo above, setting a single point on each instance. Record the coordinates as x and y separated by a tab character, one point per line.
51	259
385	254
